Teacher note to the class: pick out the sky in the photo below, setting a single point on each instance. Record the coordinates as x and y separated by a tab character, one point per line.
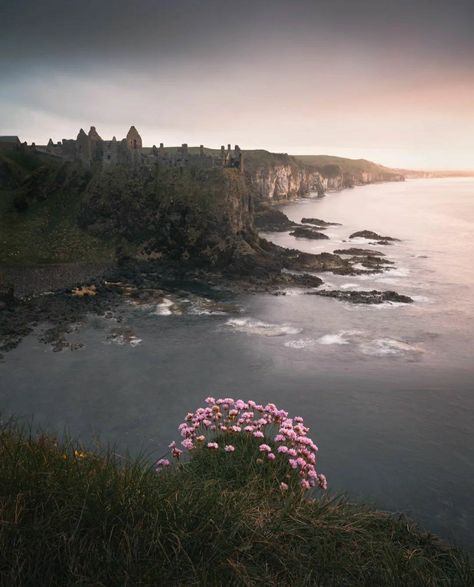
386	80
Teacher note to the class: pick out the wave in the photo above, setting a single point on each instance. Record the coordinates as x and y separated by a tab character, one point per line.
341	337
164	308
383	347
252	326
301	343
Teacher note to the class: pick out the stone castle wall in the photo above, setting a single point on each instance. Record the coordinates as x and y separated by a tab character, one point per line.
92	150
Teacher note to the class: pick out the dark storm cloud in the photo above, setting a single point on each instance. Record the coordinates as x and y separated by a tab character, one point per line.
56	30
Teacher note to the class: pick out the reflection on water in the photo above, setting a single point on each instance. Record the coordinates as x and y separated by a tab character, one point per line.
387	390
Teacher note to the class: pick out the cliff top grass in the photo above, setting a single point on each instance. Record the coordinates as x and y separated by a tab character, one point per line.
46	230
70	516
350	166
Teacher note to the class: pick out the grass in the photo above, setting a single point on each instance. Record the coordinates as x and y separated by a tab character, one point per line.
73	517
350	166
47	230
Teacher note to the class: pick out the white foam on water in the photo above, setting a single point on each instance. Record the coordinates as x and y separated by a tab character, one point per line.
252	326
349	286
398	272
164	309
421	299
300	343
341	337
134	341
386	347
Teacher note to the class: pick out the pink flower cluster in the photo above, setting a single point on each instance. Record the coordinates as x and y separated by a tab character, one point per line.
228	416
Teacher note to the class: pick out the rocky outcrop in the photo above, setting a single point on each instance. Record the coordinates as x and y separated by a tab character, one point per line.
301	232
270	219
319	223
364	297
373	236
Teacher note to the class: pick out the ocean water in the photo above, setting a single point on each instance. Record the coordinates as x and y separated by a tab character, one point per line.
388	391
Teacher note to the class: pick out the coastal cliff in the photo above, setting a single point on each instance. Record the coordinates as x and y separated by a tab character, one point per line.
54	211
276	177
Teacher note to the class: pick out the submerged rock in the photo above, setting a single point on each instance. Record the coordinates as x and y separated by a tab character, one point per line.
319	223
355	252
364	297
301	232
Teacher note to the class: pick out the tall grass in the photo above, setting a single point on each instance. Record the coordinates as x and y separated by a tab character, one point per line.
72	517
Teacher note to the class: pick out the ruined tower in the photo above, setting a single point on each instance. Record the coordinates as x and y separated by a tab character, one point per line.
134	140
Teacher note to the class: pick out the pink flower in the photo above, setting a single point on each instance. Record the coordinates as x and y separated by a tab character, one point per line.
229	448
188	443
212	445
162	463
283	449
305	484
264	448
258	434
323	482
176	452
271	456
283	486
279	438
172	444
293	464
210	400
292	452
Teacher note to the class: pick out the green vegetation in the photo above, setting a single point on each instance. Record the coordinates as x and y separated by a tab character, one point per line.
39	207
72	517
347	166
58	212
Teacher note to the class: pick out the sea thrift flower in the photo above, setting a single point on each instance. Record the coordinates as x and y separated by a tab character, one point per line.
162	463
226	416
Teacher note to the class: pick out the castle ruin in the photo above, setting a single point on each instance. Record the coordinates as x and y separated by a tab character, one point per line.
94	151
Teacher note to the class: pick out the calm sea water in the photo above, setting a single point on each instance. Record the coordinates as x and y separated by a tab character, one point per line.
388	391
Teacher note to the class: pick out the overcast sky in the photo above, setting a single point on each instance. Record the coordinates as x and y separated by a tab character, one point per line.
388	80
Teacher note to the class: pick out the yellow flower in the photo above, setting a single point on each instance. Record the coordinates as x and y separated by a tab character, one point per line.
79	454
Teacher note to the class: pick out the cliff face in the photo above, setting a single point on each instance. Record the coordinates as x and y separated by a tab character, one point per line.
275	177
185	214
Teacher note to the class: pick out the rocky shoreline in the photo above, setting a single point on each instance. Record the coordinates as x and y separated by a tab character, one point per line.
55	298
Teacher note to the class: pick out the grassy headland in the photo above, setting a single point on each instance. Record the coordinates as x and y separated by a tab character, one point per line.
74	517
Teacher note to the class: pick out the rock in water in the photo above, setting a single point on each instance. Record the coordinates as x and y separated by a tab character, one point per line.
319	223
300	232
369	234
270	219
359	252
364	297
